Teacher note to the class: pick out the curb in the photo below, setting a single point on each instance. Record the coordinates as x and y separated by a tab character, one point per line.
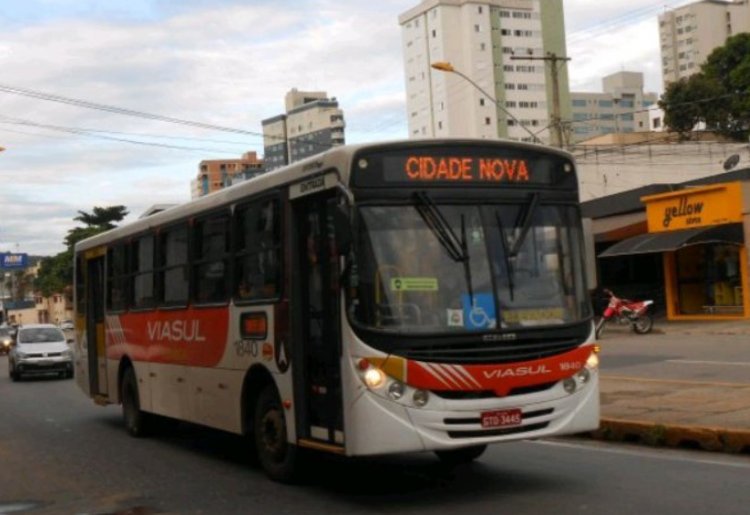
672	435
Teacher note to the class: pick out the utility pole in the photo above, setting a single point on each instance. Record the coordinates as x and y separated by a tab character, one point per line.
556	124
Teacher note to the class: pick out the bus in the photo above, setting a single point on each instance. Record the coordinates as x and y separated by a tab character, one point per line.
420	295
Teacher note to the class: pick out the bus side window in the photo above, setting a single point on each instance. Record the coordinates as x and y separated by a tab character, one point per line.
172	277
258	250
142	272
117	279
211	259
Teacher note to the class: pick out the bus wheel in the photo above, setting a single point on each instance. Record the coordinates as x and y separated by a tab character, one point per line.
277	456
136	421
461	456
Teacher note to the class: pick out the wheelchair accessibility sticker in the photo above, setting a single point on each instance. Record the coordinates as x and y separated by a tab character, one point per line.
479	312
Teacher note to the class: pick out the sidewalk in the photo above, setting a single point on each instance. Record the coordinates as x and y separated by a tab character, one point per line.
701	415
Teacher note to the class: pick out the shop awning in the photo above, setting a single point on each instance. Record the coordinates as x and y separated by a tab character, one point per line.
673	240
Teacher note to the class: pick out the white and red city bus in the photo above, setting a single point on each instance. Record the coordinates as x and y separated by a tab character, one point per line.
408	296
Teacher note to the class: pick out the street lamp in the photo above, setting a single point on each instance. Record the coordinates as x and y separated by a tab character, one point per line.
447	67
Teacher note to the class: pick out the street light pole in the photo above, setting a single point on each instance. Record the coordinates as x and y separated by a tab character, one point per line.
553	59
444	66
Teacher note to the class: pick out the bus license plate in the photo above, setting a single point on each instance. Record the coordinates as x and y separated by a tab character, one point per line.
501	418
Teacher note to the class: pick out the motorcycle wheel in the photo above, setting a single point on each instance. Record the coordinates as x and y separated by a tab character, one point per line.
600	327
643	324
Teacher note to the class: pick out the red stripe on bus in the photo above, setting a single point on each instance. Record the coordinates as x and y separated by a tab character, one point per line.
501	378
195	337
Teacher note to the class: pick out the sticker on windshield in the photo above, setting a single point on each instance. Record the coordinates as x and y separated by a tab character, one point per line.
414	284
479	311
455	317
533	316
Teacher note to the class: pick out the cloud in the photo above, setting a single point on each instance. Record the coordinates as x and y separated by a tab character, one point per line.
224	62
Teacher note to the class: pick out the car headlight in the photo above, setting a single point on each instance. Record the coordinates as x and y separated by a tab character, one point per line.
21	355
67	354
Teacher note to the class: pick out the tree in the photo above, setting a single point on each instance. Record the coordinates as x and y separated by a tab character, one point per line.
56	272
102	217
719	95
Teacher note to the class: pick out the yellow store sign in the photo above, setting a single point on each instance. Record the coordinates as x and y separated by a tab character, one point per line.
694	207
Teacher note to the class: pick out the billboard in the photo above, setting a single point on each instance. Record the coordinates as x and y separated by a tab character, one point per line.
11	261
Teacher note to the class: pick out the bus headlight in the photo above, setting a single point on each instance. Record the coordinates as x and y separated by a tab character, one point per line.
396	390
593	361
374	378
570	385
420	397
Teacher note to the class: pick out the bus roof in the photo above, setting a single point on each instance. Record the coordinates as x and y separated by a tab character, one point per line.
338	158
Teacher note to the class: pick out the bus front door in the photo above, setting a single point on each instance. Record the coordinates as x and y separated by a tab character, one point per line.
316	322
95	347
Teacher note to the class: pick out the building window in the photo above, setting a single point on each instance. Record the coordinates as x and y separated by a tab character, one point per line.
487	120
434	33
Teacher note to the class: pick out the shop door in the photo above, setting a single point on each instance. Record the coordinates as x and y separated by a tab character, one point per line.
316	313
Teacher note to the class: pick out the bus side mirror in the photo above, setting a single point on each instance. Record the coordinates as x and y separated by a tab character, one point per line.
342	228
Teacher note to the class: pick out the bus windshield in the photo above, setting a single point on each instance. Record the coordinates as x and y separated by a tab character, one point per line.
452	268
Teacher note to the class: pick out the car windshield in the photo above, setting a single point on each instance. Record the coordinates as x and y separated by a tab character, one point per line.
40	335
449	268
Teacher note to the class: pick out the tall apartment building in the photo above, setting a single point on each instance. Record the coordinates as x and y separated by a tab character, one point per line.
215	174
312	124
621	107
478	38
690	33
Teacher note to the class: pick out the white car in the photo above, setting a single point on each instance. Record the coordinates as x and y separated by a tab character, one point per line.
40	349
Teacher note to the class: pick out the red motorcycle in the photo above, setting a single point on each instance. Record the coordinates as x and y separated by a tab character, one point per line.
624	311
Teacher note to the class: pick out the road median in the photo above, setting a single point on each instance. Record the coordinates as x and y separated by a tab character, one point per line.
672	435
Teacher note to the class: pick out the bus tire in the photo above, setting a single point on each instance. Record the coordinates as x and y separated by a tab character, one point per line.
455	457
276	455
136	421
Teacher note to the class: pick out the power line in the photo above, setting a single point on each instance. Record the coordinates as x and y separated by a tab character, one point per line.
138	114
80	132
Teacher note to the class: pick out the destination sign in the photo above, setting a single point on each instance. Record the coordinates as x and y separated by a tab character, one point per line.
464	166
467	169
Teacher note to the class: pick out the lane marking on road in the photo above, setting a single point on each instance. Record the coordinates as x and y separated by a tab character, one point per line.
673	381
661	454
698	362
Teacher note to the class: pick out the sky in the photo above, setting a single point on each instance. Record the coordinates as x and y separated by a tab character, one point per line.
227	63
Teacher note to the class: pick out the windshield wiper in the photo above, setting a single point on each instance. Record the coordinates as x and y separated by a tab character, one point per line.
524	222
455	247
506	256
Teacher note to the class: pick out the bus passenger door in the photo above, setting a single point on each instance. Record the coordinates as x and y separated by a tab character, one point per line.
95	345
317	342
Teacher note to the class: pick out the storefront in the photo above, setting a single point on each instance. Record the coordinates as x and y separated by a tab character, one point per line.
702	235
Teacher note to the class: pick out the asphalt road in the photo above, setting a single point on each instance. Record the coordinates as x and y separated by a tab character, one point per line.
60	454
694	357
